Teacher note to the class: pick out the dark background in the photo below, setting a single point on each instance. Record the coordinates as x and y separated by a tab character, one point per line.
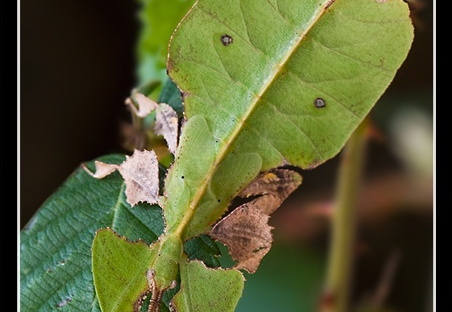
76	69
77	66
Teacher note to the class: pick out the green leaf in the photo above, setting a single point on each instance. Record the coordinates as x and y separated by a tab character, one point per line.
286	81
203	248
204	289
55	246
194	162
171	95
120	270
158	19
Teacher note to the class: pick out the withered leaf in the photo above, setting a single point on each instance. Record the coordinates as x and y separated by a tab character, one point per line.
140	173
245	230
102	169
277	184
246	233
166	124
145	104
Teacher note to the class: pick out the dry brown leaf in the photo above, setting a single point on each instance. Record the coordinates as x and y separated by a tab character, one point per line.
145	105
245	230
246	233
102	169
166	124
277	184
140	173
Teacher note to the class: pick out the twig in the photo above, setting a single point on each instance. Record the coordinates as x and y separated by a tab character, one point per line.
337	284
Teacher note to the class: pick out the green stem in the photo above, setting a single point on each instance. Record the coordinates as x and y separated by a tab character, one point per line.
343	224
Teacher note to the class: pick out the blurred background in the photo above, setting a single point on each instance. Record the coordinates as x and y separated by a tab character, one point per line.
78	65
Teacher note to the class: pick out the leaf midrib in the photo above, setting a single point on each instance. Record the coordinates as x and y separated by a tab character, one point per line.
225	149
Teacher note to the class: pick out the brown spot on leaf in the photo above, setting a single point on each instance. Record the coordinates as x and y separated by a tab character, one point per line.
245	230
167	125
226	40
319	103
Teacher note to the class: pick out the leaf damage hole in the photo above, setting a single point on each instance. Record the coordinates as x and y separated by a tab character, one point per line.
319	103
226	40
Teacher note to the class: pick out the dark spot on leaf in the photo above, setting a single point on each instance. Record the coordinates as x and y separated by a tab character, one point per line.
226	40
182	177
219	200
319	103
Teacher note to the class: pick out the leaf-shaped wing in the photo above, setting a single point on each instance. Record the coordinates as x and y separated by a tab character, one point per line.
287	81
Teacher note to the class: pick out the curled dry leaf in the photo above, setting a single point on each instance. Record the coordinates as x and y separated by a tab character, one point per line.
102	169
277	184
140	173
166	120
166	124
246	233
245	230
145	104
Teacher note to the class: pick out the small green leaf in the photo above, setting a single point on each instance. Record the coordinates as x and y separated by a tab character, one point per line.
120	271
205	289
171	95
203	248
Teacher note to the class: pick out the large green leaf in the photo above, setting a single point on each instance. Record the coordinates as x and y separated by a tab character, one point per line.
55	246
286	81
